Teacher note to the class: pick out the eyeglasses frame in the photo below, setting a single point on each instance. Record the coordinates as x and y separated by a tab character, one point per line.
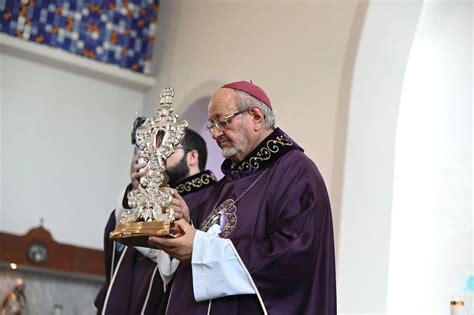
221	124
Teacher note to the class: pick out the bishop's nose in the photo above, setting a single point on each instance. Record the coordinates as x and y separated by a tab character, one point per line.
217	133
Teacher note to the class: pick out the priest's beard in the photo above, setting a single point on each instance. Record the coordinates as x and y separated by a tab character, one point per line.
177	172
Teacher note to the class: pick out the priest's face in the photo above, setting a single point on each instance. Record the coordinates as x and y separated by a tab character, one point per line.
236	137
177	167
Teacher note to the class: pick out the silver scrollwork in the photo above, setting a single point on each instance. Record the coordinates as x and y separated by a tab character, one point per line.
157	138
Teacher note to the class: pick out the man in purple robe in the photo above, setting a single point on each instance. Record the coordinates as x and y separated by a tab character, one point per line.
265	238
134	281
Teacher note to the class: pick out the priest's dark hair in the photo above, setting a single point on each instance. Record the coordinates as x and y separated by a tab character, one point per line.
193	141
136	124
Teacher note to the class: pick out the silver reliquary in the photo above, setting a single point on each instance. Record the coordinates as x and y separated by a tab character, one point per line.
150	213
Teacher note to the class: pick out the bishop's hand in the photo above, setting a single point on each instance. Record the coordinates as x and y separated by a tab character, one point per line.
180	247
181	210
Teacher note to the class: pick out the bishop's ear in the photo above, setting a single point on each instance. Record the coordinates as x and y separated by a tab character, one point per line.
258	116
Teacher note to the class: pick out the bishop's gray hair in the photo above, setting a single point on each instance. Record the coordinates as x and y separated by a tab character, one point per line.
244	101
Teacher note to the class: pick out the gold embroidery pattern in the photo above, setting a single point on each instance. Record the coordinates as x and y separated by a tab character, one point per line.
266	152
225	216
197	182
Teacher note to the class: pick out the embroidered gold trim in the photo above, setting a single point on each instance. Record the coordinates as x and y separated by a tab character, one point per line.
225	211
197	182
265	153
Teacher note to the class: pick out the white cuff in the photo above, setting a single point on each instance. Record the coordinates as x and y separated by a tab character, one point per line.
216	269
166	266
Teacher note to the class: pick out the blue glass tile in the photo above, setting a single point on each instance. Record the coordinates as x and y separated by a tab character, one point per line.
106	30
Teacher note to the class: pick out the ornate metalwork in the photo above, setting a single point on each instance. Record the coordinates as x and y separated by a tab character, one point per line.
150	213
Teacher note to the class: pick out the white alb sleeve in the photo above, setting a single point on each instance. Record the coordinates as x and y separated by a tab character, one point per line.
217	268
166	266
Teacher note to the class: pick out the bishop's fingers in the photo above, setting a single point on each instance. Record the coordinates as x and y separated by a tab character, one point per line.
161	242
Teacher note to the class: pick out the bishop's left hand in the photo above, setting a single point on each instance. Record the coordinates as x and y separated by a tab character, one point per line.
181	210
180	247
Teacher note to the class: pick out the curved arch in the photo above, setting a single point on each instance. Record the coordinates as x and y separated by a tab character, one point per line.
196	115
364	239
432	206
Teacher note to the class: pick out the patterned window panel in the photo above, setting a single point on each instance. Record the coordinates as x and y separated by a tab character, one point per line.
118	32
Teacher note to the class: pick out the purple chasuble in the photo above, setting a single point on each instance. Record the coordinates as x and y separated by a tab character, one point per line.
137	276
194	190
281	227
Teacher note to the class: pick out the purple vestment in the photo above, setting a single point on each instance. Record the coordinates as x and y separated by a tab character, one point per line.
138	284
275	209
136	278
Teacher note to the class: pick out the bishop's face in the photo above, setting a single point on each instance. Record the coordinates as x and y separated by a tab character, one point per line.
236	138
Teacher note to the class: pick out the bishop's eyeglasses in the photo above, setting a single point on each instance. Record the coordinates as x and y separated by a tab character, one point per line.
223	123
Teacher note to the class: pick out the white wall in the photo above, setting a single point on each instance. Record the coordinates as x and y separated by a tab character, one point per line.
431	243
364	237
2	92
65	149
425	238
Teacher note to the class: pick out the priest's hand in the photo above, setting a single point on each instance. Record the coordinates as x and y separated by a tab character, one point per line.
180	247
181	210
135	173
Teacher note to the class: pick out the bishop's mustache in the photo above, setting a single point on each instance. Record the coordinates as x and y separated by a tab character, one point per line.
222	138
